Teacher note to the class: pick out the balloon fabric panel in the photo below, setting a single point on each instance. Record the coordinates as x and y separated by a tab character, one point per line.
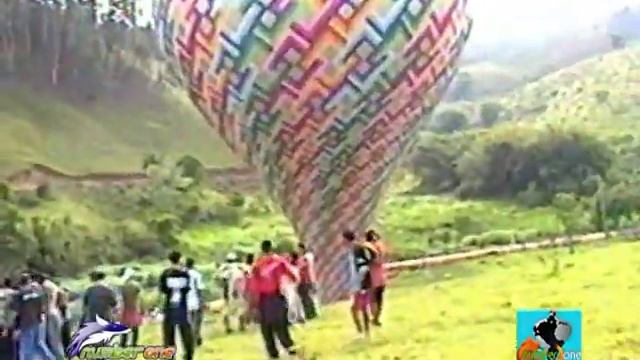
322	96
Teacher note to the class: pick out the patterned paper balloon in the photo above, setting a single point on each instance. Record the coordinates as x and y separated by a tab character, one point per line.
322	96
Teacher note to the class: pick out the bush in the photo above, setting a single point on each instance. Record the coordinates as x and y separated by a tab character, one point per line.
497	237
237	200
471	240
449	121
27	199
4	191
527	161
43	191
445	236
490	113
286	246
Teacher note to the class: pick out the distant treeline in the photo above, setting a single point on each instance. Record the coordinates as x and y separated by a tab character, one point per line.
63	46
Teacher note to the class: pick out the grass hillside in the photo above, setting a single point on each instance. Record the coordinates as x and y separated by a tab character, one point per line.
458	312
600	89
108	134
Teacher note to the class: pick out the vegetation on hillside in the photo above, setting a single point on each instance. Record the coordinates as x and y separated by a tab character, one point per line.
85	98
509	182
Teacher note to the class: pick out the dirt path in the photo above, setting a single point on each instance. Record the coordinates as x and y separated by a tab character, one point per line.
395	268
237	179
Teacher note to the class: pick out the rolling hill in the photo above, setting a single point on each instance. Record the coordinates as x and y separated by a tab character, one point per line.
599	89
110	134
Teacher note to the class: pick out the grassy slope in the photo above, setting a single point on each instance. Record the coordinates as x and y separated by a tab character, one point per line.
458	312
570	94
38	127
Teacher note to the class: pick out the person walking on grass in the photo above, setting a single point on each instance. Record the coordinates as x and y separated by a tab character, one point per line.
266	281
63	307
361	258
7	321
195	301
99	299
53	316
307	286
174	285
289	289
378	275
231	275
30	305
248	312
132	310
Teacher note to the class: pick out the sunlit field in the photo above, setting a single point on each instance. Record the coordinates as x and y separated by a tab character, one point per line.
467	311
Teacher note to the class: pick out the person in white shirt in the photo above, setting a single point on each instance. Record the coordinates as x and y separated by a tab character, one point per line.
312	310
195	302
289	289
232	277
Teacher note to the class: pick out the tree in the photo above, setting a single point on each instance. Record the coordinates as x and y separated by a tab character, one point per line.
462	86
490	113
449	121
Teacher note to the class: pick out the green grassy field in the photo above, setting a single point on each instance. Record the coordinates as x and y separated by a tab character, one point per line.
38	127
467	311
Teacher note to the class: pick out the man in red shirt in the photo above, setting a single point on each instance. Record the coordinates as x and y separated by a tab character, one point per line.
378	275
271	305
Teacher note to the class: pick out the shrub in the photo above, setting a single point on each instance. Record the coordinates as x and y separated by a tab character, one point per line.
449	121
237	200
43	191
497	237
285	246
4	191
490	113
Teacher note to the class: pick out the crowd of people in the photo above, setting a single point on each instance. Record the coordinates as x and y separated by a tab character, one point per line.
273	292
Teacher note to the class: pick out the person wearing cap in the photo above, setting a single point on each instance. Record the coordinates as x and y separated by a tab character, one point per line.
266	281
195	301
232	278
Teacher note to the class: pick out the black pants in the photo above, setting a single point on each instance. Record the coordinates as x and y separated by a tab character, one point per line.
378	296
7	345
195	318
173	319
274	323
66	333
304	290
124	340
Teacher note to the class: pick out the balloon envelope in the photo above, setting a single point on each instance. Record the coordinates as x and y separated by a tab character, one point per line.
322	96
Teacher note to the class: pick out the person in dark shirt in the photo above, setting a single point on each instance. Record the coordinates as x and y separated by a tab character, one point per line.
174	285
30	305
362	257
99	299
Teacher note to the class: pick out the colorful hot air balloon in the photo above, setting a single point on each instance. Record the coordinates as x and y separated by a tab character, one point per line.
322	96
